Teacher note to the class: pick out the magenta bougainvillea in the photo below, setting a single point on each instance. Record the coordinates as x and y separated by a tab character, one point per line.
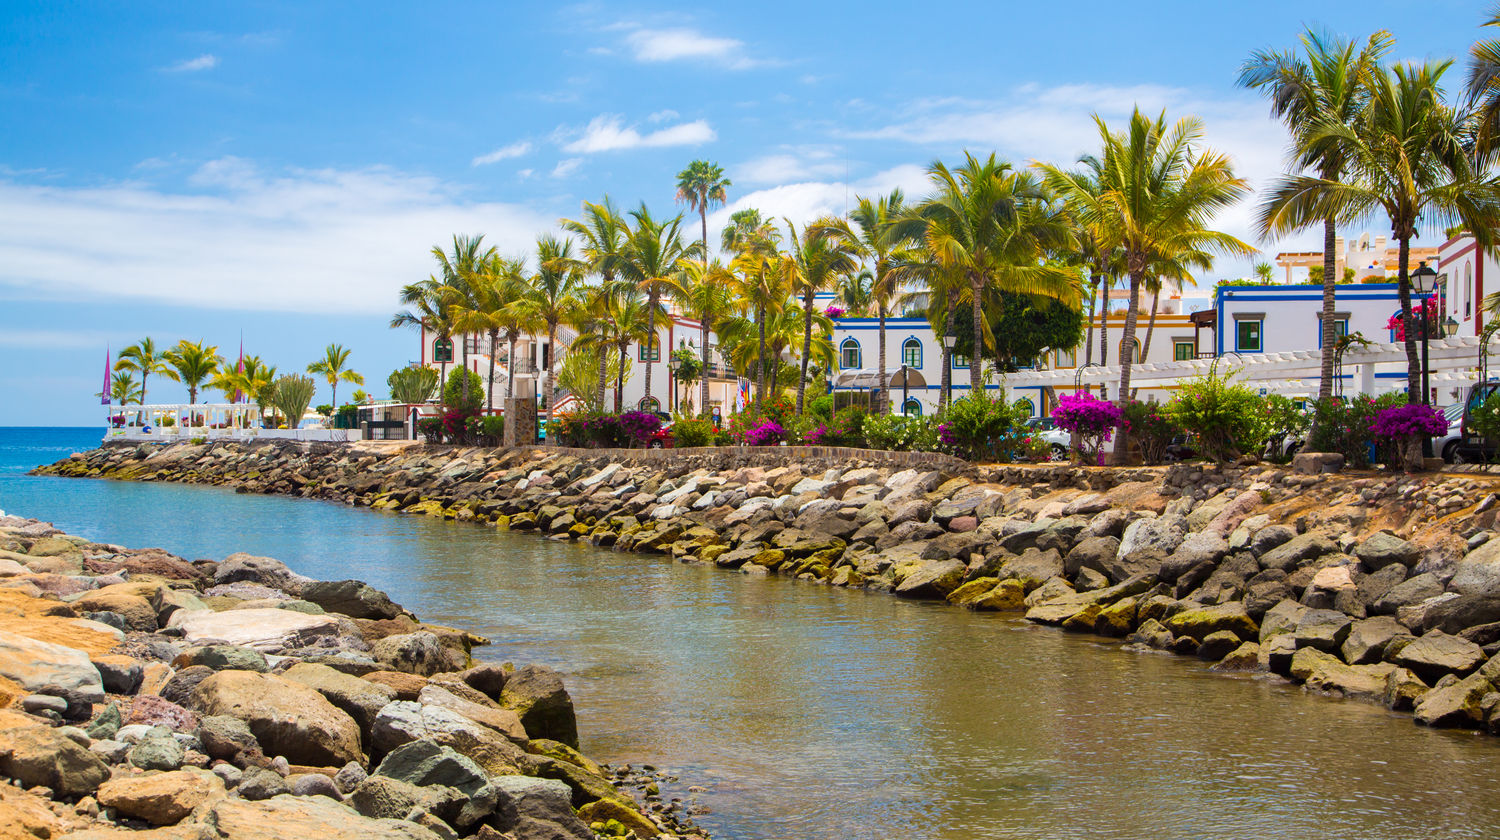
767	433
1406	420
835	311
1398	324
1093	419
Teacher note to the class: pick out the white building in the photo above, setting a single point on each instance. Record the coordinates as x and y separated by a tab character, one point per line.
1466	275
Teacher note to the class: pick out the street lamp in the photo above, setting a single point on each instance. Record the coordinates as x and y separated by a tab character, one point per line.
950	338
1422	281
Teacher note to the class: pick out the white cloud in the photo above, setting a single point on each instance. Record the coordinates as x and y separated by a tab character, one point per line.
681	43
514	150
791	164
663	115
523	174
808	200
301	240
607	133
566	167
32	339
206	61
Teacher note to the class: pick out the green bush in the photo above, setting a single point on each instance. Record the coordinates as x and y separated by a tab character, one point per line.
1150	427
1343	426
1281	420
486	430
979	428
1484	419
898	433
453	391
693	432
821	408
324	409
1226	419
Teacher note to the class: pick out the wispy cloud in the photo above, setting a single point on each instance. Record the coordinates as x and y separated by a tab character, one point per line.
566	167
653	46
514	150
145	243
207	61
608	133
790	164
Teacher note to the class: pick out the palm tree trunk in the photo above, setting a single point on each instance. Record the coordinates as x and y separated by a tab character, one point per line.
1403	291
551	363
1088	343
976	288
1122	451
1150	328
466	368
1330	282
652	347
489	383
703	388
703	217
1109	283
760	364
620	379
885	389
510	369
807	302
333	388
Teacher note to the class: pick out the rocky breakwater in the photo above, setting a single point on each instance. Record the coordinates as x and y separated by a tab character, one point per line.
143	695
1374	586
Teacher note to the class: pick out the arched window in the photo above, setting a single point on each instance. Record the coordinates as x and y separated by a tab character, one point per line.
1468	289
655	349
911	408
1135	351
849	357
442	350
911	353
651	404
1026	405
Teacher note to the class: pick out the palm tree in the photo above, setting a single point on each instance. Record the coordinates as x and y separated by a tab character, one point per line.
629	320
815	263
253	378
591	319
1407	156
331	366
1484	89
1329	81
993	225
653	251
123	388
455	271
143	358
483	302
701	186
855	293
426	312
1157	192
601	234
705	293
754	244
875	239
551	296
193	363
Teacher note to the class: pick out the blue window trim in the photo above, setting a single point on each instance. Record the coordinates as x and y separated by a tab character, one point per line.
858	351
1262	323
956	365
1344	321
912	407
1030	406
918	342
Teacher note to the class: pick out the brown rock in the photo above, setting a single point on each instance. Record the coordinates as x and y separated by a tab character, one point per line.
25	816
40	756
154	711
160	798
504	721
288	718
407	686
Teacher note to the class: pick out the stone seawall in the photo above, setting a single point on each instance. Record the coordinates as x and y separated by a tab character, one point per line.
1375	586
144	695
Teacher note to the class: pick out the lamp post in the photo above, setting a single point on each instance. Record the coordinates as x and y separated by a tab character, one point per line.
950	338
904	396
1422	281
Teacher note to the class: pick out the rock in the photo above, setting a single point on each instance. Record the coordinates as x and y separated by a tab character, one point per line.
537	694
420	653
1296	551
160	798
425	764
1162	534
504	721
489	680
313	784
1381	549
952	546
1269	538
155	711
1315	463
1402	690
119	674
1479	572
225	737
407	686
37	703
387	798
38	756
1219	644
26	816
223	658
1197	548
932	579
1006	595
1455	614
230	774
1091	553
1325	630
1437	653
402	722
1246	657
106	724
113	752
1413	591
1458	704
1367	639
262	628
353	598
288	718
1324	672
1376	585
37	665
537	808
359	698
259	783
262	570
125	600
1199	622
159	751
179	687
316	817
349	777
1033	567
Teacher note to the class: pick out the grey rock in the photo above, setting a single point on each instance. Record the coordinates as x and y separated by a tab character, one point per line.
1367	639
1033	565
1437	653
419	653
1405	594
1269	538
1163	534
106	724
1297	551
1325	630
262	570
313	784
1282	618
538	695
1376	585
1197	548
1381	549
423	763
230	774
349	777
1455	614
534	809
259	783
1478	573
157	752
224	658
225	737
1090	553
111	751
179	689
37	703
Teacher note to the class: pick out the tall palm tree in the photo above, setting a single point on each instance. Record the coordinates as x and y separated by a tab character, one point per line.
123	388
629	320
653	251
591	319
143	358
1328	81
1484	89
814	263
455	272
252	378
483	302
601	233
702	186
993	224
332	367
855	293
193	364
1407	157
1158	191
871	232
551	296
705	293
753	241
426	311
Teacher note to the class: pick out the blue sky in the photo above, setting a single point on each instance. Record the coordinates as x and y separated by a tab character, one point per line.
279	170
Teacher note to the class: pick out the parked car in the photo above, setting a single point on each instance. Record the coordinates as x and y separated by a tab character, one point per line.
1446	446
1470	448
660	439
1046	429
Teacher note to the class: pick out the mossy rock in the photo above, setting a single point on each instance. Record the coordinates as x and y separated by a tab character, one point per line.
1117	619
562	752
1083	620
710	553
502	522
578	531
770	558
1199	623
427	507
1006	595
972	591
523	522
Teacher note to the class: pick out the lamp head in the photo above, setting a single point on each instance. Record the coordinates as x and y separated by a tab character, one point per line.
1423	278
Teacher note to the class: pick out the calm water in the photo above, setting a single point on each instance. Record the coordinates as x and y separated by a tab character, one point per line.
821	714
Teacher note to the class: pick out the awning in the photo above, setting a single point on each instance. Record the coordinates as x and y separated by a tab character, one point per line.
860	380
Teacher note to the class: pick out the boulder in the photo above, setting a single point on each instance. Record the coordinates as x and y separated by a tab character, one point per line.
425	764
1219	644
303	816
1479	572
223	658
39	756
38	665
1456	704
258	783
359	698
353	598
504	721
128	600
953	546
1197	548
262	570
225	737
160	798
1033	567
1367	639
1199	622
288	718
1456	614
157	751
1324	672
1376	585
1162	534
1090	553
1325	630
1381	549
1296	551
420	653
403	722
406	686
313	784
537	694
932	579
266	629
1246	657
537	808
383	797
1437	653
1402	690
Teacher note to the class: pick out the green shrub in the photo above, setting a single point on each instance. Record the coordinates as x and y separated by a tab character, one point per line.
1343	426
979	428
431	429
1484	419
1150	427
898	433
169	421
821	408
198	441
325	409
693	432
1226	419
453	391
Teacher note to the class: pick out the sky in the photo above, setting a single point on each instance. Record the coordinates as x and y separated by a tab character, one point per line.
272	173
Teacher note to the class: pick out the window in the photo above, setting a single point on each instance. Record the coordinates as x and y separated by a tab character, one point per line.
849	358
1135	351
655	345
651	404
911	408
1247	336
1067	358
911	353
442	350
1026	405
1183	351
960	361
475	345
1468	290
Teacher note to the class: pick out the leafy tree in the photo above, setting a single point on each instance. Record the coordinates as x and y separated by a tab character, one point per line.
551	296
290	396
702	186
426	311
815	263
464	391
753	241
456	289
652	256
707	294
123	388
144	358
412	385
192	364
580	373
1020	328
332	367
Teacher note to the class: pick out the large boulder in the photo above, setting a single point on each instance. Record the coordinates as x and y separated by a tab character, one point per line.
262	570
317	817
403	722
1367	639
1479	572
353	598
360	699
1381	549
1196	549
38	665
504	721
1457	704
1162	534
1325	630
1199	622
288	718
1453	615
932	579
537	694
1033	567
1437	653
39	756
266	629
160	798
1297	551
1091	553
534	809
425	764
420	653
223	658
1407	593
1324	672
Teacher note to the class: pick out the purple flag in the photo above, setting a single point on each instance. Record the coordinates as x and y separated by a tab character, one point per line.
104	394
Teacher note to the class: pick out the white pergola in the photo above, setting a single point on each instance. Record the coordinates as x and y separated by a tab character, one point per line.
210	421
